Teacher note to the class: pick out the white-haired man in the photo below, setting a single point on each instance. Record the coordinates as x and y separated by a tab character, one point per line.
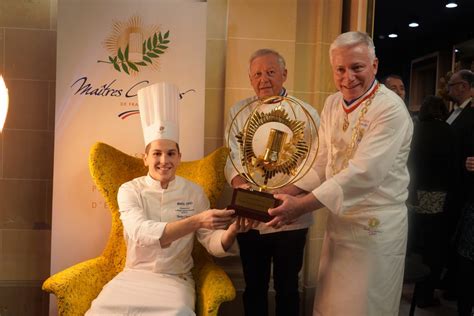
362	179
264	247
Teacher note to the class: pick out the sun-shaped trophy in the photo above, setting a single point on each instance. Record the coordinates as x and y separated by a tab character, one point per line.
273	143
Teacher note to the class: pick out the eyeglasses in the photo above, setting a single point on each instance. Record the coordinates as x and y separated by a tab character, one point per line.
454	83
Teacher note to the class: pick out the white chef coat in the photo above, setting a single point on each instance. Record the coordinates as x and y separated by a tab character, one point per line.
362	261
156	280
230	172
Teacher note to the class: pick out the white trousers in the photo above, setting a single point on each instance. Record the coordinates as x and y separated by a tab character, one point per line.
135	292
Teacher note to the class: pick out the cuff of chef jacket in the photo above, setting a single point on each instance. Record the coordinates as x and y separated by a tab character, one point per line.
330	194
215	246
229	171
309	182
150	234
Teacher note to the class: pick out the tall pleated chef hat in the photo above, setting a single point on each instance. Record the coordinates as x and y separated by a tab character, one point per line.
159	112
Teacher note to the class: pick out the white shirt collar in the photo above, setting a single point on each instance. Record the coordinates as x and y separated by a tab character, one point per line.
157	184
463	105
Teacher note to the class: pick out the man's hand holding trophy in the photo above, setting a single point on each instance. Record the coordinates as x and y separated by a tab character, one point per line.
290	151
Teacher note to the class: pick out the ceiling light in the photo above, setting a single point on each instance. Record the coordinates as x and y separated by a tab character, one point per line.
393	35
451	4
456	50
413	24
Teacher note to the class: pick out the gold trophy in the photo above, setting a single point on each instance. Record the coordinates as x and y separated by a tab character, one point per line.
291	148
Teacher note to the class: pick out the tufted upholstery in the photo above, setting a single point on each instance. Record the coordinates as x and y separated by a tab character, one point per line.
77	286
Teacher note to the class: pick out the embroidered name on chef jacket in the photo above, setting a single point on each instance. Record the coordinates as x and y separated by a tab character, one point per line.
364	123
184	209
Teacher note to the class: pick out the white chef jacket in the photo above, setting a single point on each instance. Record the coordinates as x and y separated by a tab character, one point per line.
362	261
230	172
156	280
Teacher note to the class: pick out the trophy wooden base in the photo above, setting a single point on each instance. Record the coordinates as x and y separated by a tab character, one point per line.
253	204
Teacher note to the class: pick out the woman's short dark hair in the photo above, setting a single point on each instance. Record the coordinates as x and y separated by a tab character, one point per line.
433	108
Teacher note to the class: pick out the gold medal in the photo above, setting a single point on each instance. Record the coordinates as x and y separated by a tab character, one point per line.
360	135
345	125
357	135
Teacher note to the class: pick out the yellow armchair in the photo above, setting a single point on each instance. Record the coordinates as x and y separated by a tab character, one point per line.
77	286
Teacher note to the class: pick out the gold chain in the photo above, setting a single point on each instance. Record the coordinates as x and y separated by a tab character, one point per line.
356	137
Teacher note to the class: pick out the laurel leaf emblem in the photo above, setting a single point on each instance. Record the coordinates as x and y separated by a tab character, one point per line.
152	48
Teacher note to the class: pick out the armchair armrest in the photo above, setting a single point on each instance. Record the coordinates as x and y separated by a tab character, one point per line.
213	288
77	286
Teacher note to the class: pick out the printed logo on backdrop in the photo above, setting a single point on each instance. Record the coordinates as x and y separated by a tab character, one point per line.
107	51
132	47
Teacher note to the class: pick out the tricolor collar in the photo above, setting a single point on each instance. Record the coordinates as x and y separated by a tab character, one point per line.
350	106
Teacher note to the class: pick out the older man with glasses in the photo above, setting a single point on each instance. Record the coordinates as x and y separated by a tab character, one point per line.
459	91
461	119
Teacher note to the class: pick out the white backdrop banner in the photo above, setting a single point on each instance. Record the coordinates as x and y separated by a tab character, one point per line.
106	51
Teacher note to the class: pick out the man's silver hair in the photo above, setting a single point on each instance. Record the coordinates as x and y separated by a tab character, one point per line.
268	51
349	39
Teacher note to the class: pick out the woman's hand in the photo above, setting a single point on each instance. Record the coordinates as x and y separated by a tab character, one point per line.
215	219
210	219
